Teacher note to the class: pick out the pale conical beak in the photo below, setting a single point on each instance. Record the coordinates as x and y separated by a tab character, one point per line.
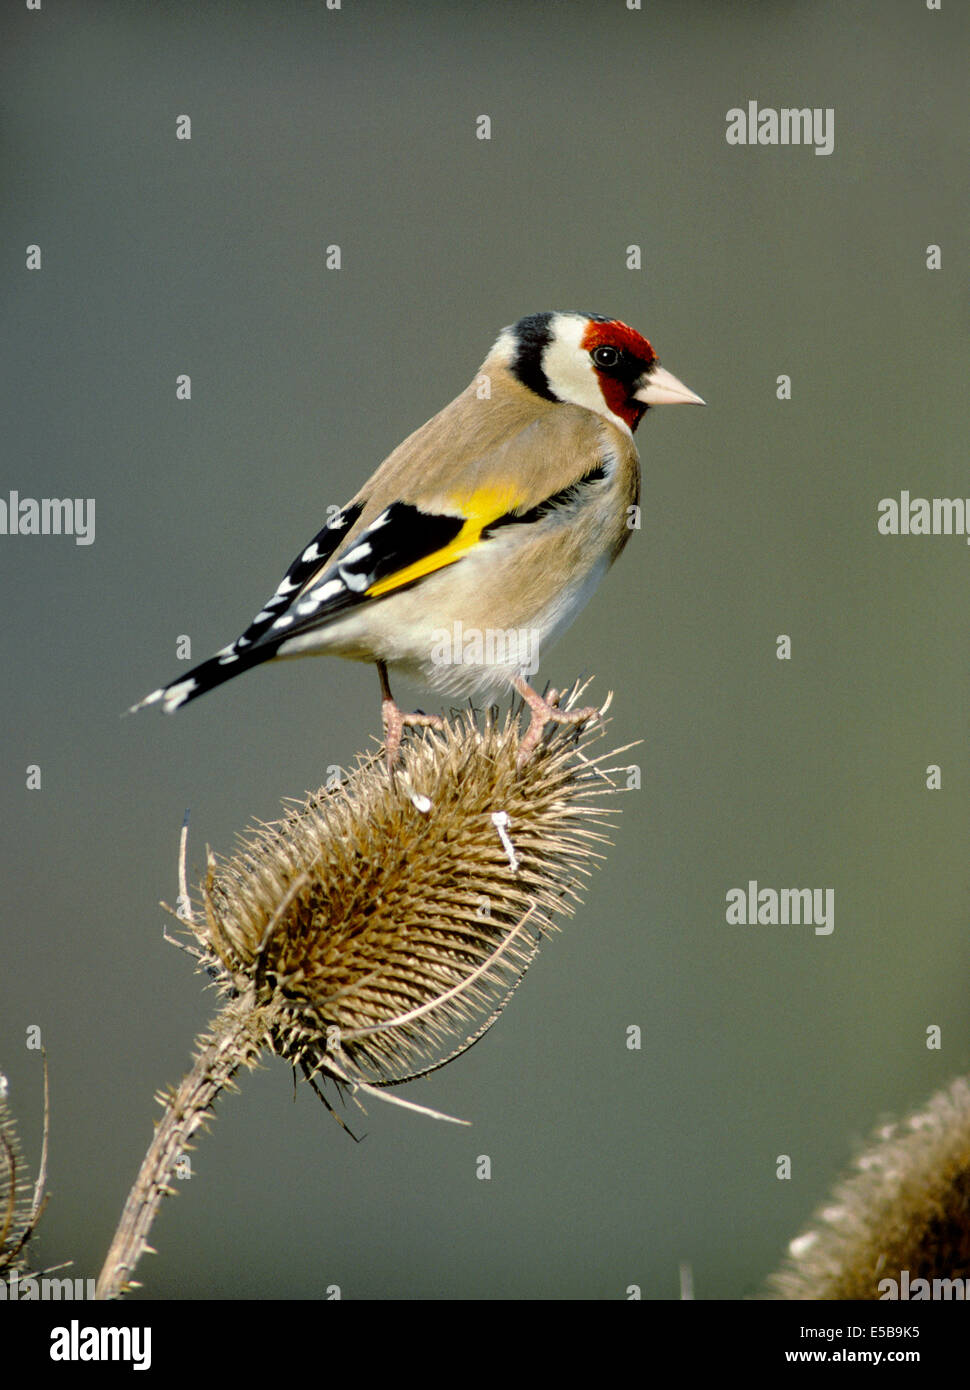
660	387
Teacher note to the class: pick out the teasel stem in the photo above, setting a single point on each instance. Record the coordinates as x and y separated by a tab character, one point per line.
235	1039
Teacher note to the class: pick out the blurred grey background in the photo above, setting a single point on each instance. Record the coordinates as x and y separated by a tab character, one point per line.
357	127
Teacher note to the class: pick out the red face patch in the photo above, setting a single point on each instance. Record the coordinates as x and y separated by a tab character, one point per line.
617	385
619	335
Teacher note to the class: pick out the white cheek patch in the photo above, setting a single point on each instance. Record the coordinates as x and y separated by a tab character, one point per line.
570	373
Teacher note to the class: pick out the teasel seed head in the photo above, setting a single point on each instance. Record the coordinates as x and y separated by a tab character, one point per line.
905	1206
382	921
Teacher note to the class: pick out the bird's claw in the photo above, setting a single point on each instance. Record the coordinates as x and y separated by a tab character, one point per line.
545	710
395	721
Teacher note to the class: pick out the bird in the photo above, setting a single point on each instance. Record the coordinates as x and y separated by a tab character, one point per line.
481	536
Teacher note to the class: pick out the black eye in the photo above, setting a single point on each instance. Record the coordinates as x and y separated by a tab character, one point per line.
605	356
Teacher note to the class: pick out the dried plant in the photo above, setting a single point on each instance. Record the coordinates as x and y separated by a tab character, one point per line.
21	1204
905	1207
378	929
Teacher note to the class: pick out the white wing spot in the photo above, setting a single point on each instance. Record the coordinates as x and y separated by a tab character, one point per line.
359	552
357	582
285	621
382	520
311	553
315	597
177	695
262	616
286	586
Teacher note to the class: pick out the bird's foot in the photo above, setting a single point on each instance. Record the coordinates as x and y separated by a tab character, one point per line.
395	721
545	710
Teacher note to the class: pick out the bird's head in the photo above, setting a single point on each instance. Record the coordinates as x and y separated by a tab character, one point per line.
591	361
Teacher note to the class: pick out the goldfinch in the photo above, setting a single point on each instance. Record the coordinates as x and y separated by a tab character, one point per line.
480	538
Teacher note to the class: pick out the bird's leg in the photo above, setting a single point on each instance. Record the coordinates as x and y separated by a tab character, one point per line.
395	721
545	710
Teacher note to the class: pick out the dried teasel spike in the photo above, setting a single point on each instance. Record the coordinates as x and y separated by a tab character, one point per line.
901	1216
20	1206
378	928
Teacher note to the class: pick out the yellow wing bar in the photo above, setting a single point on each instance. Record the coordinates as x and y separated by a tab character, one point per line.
479	510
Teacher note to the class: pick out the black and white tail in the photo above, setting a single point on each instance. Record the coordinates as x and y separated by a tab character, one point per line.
258	643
